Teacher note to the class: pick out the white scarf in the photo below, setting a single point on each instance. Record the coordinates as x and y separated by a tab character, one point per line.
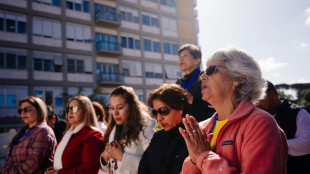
62	145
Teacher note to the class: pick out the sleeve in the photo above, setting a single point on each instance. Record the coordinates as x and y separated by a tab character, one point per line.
8	163
130	160
263	150
104	166
300	145
41	150
92	150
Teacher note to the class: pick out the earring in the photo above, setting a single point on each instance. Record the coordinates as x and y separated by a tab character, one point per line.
233	88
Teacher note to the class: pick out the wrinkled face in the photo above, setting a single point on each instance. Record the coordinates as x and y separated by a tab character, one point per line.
187	62
172	119
218	87
29	114
119	109
75	114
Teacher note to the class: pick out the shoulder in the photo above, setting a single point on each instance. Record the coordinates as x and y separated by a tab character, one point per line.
91	133
44	129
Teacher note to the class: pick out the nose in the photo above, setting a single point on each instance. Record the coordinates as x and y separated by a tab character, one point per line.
203	76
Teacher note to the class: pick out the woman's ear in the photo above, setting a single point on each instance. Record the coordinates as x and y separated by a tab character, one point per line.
239	81
197	61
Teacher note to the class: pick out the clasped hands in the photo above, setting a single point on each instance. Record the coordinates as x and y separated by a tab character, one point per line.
114	150
197	140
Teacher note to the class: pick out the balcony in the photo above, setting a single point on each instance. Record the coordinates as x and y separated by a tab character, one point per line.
107	19
117	79
108	48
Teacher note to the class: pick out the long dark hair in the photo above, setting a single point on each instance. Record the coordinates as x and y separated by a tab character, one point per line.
41	111
135	120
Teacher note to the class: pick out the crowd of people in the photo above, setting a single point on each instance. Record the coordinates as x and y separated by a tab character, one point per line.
226	119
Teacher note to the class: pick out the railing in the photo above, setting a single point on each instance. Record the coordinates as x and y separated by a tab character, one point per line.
101	14
108	46
110	78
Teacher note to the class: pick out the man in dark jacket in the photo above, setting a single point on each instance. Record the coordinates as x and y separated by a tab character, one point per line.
58	125
295	122
189	62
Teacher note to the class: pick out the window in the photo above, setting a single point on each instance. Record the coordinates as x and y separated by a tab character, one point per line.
11	100
78	5
153	70
129	14
71	65
22	62
48	96
169	3
130	42
170	48
1	60
1	100
132	68
147	45
169	24
150	20
108	72
156	47
106	42
151	45
107	13
49	2
75	66
11	59
46	28
49	62
14	23
78	33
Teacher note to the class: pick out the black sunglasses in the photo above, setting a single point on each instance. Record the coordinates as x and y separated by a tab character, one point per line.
26	109
212	69
73	109
163	111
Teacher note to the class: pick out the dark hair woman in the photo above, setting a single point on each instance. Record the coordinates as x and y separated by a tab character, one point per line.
32	148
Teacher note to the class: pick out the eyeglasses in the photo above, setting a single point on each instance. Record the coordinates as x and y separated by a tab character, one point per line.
163	111
212	69
73	109
26	109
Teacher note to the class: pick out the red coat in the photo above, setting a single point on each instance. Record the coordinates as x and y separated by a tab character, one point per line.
82	152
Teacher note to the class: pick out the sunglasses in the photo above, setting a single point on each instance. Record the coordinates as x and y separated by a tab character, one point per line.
73	109
26	109
212	69
163	111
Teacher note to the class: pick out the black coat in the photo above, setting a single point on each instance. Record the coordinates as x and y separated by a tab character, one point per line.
165	154
199	109
59	128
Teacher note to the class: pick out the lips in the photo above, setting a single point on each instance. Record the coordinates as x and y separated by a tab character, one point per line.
163	125
24	117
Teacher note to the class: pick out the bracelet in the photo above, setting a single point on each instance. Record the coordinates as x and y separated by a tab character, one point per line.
193	162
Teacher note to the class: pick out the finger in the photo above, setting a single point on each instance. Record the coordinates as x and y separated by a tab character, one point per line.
187	124
186	138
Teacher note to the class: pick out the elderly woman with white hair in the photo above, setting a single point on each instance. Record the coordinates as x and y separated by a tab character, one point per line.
238	138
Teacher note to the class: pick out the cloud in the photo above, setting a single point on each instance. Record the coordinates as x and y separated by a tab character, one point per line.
303	45
307	23
270	64
303	81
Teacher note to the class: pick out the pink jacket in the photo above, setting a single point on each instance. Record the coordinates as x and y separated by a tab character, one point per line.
250	142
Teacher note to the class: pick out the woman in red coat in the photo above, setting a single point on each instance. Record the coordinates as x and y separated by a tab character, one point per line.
82	144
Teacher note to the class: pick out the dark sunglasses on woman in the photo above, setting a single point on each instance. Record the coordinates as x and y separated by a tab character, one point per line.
212	69
73	109
26	109
163	111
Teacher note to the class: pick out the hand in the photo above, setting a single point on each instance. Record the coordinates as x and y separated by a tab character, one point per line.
50	170
106	155
197	141
117	150
189	97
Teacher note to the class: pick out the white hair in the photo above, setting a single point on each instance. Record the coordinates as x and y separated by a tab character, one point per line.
239	64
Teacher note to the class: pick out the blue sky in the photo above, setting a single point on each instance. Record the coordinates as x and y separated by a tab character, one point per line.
275	32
